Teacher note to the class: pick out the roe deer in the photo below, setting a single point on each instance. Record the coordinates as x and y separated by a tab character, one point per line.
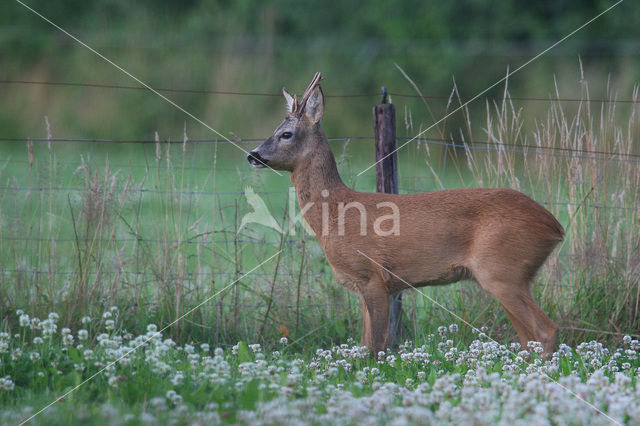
497	237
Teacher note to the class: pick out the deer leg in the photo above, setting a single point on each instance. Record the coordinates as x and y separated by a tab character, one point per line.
366	326
375	301
530	322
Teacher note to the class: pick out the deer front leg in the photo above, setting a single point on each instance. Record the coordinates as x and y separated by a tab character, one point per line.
375	321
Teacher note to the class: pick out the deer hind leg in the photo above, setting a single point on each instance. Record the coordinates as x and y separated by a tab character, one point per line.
530	322
375	323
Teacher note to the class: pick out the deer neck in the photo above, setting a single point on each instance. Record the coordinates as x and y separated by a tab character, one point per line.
319	173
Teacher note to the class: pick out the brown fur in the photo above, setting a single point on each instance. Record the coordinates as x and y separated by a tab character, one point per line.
498	237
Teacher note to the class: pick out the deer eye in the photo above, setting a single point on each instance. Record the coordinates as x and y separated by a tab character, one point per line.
286	135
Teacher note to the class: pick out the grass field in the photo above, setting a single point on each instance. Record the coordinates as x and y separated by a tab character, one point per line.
152	229
148	378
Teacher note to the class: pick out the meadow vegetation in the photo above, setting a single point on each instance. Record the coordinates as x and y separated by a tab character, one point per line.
152	229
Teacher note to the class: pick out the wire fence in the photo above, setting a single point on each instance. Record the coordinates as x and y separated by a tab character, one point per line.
342	96
31	248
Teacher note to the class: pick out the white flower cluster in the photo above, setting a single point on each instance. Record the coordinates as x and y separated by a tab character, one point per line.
439	382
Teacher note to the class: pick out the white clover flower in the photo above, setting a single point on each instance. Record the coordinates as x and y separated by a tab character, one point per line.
453	328
53	316
24	320
442	330
19	312
107	315
67	339
85	320
79	367
6	383
38	340
284	340
113	381
174	397
255	347
17	353
65	331
204	347
114	310
158	403
40	374
88	354
152	328
83	334
35	323
109	324
177	379
49	327
34	356
4	346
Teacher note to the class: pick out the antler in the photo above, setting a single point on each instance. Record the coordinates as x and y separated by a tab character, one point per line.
299	106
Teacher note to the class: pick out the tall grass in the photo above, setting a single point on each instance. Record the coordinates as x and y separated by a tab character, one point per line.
153	230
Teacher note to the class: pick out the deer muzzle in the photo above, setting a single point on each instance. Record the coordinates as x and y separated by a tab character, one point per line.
255	159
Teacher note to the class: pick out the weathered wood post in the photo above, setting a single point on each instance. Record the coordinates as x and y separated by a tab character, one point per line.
384	123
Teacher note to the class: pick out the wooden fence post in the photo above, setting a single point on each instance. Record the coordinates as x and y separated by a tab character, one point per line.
384	123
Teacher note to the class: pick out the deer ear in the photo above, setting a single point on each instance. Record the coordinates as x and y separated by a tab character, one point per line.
314	108
289	99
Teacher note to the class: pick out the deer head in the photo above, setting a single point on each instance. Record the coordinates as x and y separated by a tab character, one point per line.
297	137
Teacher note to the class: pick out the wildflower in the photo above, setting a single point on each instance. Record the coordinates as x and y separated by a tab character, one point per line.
453	328
85	320
109	324
107	315
34	356
284	340
35	324
174	397
177	379
204	347
83	334
67	339
255	347
17	353
6	383
442	331
53	317
88	354
19	312
24	320
38	340
158	403
152	328
113	381
114	310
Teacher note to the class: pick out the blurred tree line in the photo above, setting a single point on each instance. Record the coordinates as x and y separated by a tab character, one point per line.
260	45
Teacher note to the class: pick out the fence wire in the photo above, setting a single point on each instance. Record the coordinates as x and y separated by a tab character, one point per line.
343	96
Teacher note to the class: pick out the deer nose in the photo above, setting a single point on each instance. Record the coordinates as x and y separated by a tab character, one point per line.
255	159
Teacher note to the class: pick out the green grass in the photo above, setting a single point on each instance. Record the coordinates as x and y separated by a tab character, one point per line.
152	229
106	375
